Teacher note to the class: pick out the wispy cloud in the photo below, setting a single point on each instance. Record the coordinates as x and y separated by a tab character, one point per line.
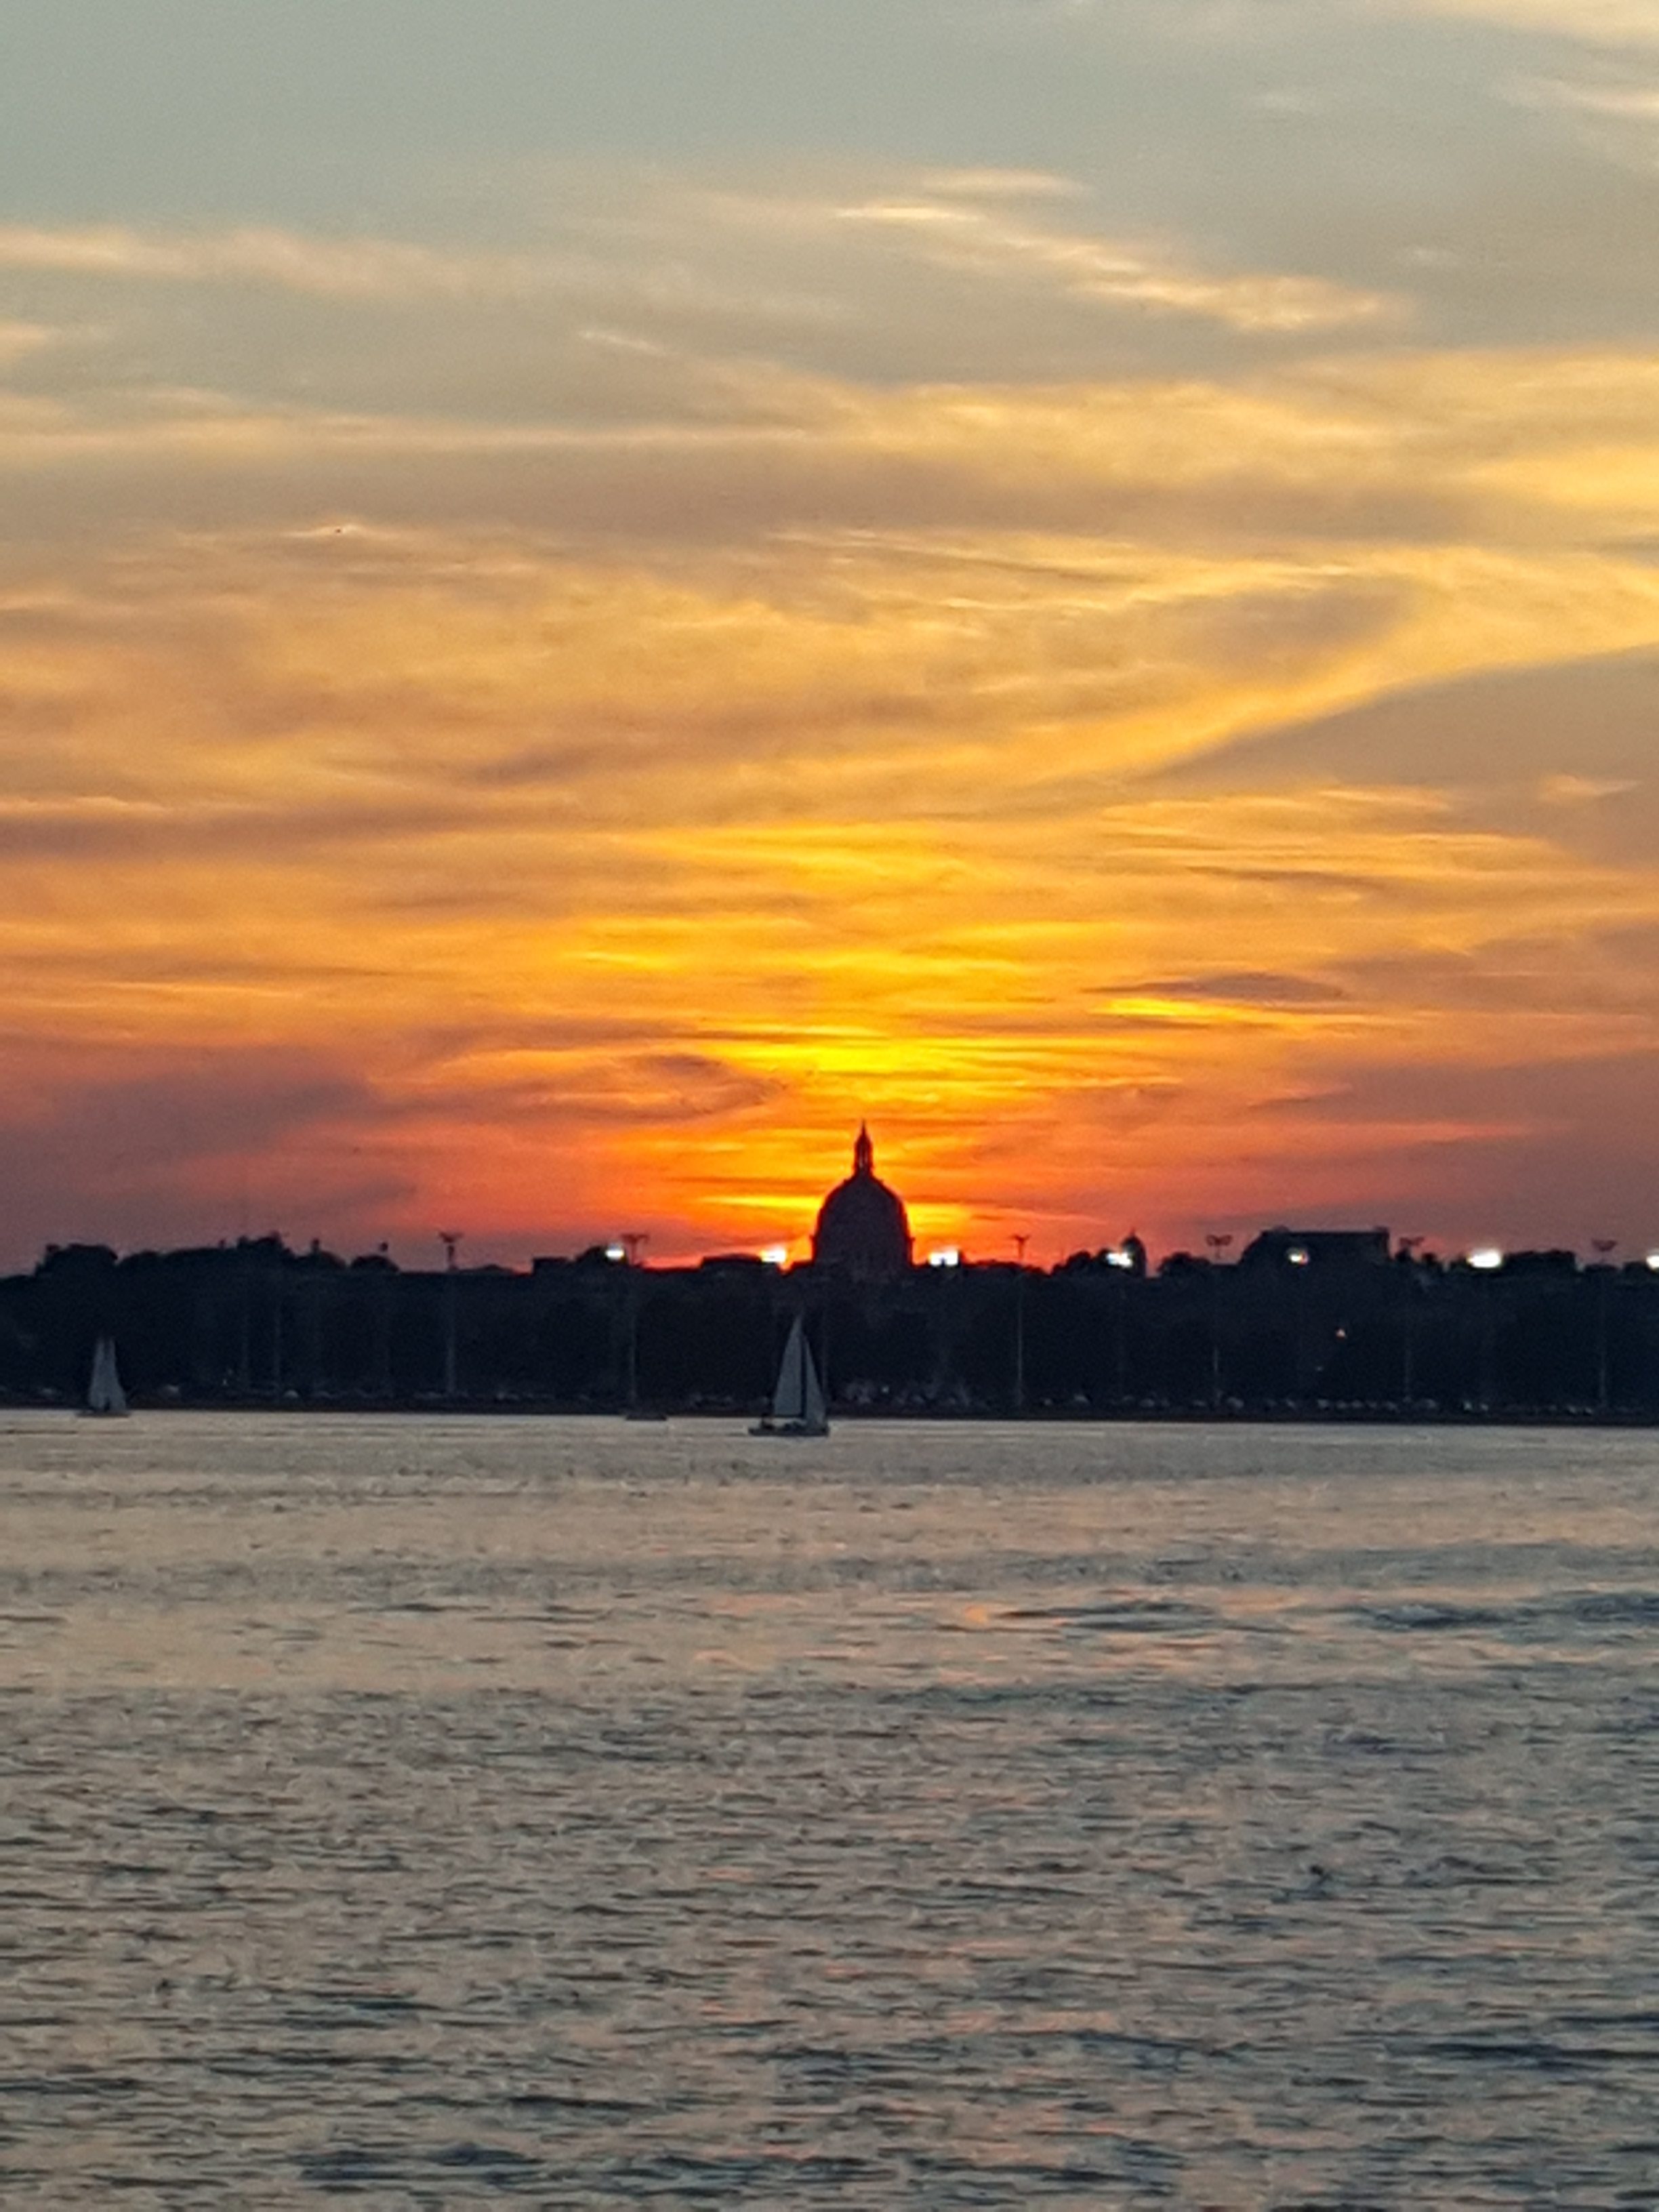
1247	987
1598	23
1001	184
968	230
368	269
1120	276
19	340
957	220
359	268
1623	103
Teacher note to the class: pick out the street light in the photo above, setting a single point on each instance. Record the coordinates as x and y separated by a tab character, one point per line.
1604	1248
451	1240
1020	1241
633	1243
1409	1249
1219	1242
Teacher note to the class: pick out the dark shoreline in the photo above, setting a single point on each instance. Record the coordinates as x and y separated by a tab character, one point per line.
1335	1327
1245	1417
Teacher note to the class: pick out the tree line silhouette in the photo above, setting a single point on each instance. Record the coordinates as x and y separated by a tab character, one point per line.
1332	1323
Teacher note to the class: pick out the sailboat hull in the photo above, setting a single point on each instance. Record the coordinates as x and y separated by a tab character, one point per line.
798	1403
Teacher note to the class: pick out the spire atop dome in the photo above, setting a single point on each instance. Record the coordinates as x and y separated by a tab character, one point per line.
862	1229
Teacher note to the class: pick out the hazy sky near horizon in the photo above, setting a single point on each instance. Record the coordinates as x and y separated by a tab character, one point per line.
591	590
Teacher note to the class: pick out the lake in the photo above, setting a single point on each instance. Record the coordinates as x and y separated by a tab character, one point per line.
420	1813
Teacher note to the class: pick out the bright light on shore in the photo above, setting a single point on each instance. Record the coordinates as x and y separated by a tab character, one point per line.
776	1255
1488	1259
1121	1259
618	1252
950	1257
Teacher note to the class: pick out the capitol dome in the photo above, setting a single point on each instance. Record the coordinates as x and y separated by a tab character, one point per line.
862	1225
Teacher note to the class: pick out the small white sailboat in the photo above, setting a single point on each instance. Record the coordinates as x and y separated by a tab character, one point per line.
105	1399
798	1404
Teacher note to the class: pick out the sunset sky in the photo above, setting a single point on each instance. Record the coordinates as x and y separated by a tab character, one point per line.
593	590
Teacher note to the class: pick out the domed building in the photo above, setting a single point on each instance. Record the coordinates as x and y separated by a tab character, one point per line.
862	1227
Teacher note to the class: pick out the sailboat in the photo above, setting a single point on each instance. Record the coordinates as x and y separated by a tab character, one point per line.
798	1403
105	1399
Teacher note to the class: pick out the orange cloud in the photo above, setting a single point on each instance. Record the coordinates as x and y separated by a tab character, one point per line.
603	877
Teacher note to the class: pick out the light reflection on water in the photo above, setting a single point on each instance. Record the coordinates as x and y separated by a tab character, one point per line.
416	1812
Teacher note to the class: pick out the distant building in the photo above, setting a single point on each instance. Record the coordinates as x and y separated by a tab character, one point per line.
862	1227
1328	1250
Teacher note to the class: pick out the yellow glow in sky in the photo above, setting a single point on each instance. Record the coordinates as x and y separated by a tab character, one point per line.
543	709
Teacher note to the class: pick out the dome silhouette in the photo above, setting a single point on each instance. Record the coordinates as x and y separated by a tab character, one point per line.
862	1226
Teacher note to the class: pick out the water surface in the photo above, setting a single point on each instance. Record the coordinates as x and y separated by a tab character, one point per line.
419	1812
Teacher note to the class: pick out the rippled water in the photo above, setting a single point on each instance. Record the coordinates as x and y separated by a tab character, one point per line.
424	1813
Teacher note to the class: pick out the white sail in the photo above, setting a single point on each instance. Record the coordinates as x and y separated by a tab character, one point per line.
789	1399
798	1404
815	1414
104	1391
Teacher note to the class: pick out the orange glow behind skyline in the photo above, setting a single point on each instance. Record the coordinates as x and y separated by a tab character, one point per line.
540	712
